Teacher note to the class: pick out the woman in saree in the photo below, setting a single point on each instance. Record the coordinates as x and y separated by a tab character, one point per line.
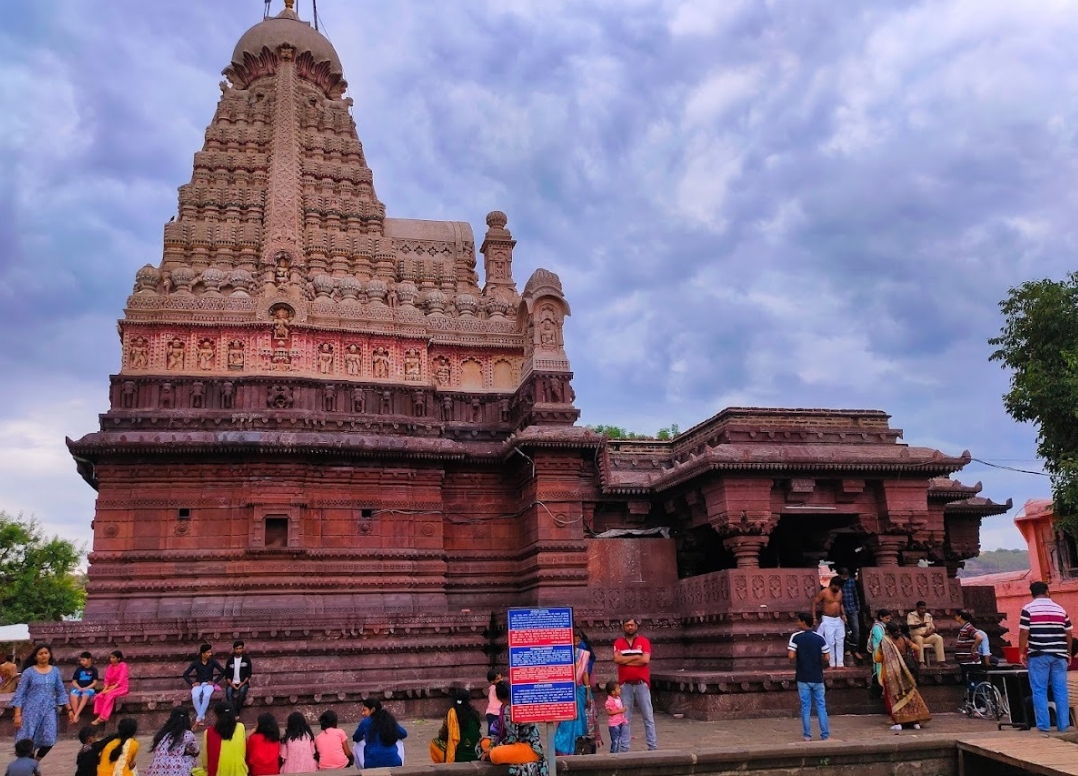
900	694
518	745
460	733
568	732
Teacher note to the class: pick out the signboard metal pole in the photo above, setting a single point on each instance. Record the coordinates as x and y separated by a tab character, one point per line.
551	763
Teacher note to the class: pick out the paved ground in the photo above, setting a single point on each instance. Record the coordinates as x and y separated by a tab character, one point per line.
677	734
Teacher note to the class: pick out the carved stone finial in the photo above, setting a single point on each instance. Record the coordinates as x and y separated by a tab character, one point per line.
497	253
288	4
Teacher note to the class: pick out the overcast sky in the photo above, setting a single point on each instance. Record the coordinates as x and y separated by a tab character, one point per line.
802	204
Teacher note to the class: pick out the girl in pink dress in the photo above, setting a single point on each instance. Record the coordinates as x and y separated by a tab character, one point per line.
115	687
297	746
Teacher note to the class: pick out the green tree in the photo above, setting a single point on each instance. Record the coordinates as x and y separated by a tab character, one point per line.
617	432
37	573
1039	344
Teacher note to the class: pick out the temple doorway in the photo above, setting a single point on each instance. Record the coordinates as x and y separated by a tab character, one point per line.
802	540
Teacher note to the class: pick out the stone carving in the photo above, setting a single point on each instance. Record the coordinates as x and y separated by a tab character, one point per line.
168	397
387	402
147	280
206	353
357	400
282	316
279	397
198	394
280	271
174	354
129	394
411	365
447	408
477	411
281	360
380	363
329	398
228	392
235	355
441	372
138	354
503	408
325	359
419	404
352	360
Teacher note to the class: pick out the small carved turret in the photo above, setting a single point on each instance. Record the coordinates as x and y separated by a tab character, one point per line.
497	253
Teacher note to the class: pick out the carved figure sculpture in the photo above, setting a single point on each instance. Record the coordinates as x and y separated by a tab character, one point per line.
477	411
503	407
228	392
380	363
174	356
441	372
447	408
235	354
130	392
548	334
419	404
139	354
329	398
280	272
205	355
357	400
411	365
281	317
351	360
279	397
198	393
325	358
167	396
387	402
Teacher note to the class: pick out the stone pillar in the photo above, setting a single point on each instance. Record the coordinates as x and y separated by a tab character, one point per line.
746	549
886	548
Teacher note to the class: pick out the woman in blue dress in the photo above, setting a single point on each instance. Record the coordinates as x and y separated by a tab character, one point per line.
380	735
39	695
567	733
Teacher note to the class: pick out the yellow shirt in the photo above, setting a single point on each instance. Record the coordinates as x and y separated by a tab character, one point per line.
122	766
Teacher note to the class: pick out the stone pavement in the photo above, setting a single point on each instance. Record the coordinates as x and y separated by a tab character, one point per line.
673	734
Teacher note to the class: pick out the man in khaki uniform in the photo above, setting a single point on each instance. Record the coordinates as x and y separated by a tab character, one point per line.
923	632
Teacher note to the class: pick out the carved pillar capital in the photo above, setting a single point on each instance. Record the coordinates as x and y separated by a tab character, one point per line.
886	548
746	549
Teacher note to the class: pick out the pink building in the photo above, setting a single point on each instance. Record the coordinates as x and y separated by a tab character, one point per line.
1053	557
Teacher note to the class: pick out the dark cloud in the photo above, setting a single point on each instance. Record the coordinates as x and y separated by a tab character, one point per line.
785	204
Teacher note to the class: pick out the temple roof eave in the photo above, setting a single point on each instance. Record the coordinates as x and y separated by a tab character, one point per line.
93	446
852	460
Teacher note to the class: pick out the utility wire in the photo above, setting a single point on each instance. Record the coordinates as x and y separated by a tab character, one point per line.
1010	468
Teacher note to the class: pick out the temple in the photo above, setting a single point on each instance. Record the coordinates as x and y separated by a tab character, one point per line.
331	438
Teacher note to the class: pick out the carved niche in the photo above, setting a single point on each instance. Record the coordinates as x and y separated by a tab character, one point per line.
198	394
279	397
352	360
206	353
411	365
380	363
325	359
235	355
174	354
138	355
441	372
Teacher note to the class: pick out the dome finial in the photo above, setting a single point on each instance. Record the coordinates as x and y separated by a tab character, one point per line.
288	4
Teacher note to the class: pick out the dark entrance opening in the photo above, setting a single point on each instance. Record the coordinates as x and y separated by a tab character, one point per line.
276	531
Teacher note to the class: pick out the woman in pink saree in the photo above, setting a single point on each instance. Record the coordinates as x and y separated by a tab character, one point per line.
115	687
904	703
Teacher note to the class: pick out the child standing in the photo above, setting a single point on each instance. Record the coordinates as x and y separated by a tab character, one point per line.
810	652
494	706
616	722
24	763
83	686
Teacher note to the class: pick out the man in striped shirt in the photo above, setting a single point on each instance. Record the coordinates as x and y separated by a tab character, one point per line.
1044	643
